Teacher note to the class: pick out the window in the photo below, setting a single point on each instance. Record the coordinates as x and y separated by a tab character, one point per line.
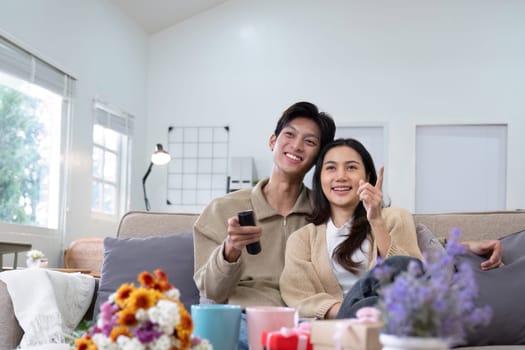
111	149
34	101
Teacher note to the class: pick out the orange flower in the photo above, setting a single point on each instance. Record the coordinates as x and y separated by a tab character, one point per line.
146	279
85	344
161	275
118	331
164	286
159	281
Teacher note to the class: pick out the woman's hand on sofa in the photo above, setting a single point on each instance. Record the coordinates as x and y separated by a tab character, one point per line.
490	248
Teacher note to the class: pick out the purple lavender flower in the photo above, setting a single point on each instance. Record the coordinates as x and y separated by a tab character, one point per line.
383	272
439	302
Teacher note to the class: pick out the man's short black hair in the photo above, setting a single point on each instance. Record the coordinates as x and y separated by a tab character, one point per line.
310	111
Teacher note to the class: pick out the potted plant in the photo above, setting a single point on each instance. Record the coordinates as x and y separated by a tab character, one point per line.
434	304
35	258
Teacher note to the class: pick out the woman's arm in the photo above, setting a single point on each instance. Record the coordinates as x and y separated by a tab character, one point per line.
301	283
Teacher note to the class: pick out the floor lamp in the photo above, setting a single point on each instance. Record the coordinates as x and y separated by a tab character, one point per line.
159	157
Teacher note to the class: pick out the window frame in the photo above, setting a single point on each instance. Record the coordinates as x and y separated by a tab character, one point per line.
20	62
115	119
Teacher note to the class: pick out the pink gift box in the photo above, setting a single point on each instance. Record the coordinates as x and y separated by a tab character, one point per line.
345	334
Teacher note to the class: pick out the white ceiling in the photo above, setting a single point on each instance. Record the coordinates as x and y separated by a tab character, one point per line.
156	15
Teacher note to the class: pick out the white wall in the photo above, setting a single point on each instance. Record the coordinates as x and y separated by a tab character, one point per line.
395	63
107	53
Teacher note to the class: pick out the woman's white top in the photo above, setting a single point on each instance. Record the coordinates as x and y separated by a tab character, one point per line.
334	237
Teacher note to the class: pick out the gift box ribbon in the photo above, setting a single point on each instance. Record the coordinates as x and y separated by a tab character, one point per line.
302	337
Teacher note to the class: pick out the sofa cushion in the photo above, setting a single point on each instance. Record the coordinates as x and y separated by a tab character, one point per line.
125	258
513	247
497	288
502	288
426	239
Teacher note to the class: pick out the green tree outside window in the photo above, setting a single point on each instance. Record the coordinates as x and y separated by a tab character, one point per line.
21	167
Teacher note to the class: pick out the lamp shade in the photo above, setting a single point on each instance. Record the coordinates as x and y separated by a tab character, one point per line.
160	156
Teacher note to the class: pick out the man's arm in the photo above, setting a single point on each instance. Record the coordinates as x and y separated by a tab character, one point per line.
214	276
489	248
219	242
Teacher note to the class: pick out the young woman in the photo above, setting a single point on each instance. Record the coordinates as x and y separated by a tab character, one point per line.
349	230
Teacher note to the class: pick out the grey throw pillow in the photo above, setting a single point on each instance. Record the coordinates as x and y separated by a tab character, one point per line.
125	258
426	240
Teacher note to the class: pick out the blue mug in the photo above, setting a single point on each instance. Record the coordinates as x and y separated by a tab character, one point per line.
218	323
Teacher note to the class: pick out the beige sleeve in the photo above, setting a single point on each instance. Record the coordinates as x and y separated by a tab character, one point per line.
215	277
402	230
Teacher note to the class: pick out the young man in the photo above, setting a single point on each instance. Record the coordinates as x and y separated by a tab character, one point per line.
224	271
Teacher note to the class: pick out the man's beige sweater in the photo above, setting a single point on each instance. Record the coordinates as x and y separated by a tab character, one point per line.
253	279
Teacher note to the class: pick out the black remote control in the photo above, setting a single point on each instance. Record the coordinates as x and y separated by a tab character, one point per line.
247	218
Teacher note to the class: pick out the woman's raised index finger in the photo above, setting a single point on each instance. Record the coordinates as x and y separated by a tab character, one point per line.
379	182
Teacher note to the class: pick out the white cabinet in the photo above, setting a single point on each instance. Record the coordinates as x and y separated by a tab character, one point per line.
242	173
461	168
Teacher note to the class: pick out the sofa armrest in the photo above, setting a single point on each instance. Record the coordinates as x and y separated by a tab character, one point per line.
11	333
91	312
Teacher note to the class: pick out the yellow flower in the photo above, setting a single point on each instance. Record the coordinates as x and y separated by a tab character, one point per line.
142	298
85	344
123	294
117	332
126	318
185	327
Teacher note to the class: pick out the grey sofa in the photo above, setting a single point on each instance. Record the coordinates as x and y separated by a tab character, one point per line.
482	225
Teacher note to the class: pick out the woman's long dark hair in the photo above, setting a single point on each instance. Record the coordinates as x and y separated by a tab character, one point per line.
321	213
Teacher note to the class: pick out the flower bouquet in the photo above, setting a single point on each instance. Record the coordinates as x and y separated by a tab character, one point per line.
436	301
148	317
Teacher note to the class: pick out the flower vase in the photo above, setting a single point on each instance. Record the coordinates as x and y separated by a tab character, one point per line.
394	342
